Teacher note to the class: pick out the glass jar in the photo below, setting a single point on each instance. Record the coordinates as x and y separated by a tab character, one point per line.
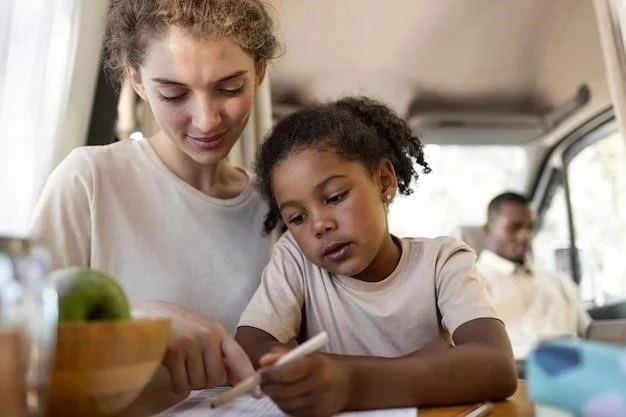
29	309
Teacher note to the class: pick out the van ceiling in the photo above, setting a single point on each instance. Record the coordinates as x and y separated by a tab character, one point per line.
523	57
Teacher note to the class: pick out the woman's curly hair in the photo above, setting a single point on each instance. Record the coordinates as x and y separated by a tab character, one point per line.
132	24
356	128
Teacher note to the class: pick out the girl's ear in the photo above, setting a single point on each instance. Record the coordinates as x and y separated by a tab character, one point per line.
387	180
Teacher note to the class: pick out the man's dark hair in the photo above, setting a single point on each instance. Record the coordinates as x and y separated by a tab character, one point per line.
493	209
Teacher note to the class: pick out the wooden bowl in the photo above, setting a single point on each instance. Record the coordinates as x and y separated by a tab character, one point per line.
100	367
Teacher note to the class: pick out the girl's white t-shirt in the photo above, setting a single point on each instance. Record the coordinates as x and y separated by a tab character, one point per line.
433	290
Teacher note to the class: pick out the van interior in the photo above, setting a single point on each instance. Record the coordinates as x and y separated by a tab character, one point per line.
520	95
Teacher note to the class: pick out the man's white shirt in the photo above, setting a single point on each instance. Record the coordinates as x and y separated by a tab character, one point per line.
534	304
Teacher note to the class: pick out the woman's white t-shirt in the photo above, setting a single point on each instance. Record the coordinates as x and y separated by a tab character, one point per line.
119	209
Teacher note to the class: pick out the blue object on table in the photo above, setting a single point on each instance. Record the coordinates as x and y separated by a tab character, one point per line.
583	377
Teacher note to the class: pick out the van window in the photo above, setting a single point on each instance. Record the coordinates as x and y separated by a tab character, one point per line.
462	182
596	177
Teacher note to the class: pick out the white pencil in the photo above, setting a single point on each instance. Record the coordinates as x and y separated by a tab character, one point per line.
481	410
248	384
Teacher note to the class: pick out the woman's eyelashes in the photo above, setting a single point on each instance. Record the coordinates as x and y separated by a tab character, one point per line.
232	87
230	90
171	98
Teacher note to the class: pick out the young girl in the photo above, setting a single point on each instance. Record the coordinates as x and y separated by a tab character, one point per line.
168	216
408	319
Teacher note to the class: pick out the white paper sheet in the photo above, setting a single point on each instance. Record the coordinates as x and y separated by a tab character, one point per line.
198	404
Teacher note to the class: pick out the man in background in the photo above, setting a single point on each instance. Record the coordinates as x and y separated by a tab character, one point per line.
534	304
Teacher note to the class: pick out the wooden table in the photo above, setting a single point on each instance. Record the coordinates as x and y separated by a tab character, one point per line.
518	405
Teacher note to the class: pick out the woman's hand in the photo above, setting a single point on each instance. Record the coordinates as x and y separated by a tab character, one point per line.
314	386
200	353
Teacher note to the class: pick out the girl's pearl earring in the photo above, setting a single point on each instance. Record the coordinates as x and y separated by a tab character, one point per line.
388	197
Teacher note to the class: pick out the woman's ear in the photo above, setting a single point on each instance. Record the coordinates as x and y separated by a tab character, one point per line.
261	69
387	180
135	80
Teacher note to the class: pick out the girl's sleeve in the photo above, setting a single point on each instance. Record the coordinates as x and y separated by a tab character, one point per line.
461	292
276	306
62	216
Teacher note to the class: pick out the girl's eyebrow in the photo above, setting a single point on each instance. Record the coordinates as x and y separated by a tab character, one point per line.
167	81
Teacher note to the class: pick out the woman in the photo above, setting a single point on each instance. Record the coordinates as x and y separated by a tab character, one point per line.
169	217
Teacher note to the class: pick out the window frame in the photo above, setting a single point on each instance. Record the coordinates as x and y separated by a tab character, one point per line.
554	174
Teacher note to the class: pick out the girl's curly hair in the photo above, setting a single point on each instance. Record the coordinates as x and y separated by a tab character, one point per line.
357	128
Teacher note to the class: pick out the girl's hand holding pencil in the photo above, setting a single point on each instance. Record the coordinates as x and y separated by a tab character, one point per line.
315	385
292	379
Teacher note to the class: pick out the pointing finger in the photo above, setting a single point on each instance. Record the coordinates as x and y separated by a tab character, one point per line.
237	358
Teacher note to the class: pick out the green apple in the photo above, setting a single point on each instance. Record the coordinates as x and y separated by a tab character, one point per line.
87	294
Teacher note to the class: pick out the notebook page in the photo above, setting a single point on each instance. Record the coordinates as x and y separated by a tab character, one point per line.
198	404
